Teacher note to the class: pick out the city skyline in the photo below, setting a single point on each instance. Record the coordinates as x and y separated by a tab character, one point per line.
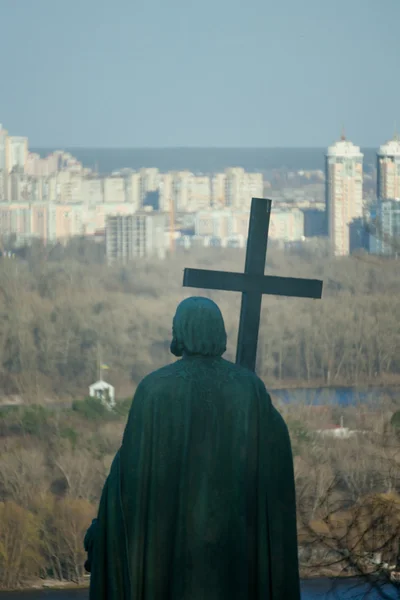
102	74
57	197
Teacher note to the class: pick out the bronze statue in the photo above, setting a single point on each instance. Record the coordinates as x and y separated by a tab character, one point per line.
200	501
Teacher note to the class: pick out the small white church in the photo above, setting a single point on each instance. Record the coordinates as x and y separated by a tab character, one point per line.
103	391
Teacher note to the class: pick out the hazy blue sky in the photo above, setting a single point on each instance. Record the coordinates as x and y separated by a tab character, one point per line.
206	73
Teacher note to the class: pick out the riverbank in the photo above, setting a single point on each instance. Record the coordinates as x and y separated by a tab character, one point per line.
50	584
55	585
279	389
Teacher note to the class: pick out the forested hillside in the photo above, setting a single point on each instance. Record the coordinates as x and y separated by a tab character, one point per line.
57	307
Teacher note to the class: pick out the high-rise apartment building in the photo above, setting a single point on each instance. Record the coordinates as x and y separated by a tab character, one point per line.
218	190
222	223
133	190
18	152
200	193
65	221
114	189
107	209
241	187
388	170
149	182
286	225
234	183
165	190
180	190
42	167
92	191
385	227
4	150
3	186
344	177
133	236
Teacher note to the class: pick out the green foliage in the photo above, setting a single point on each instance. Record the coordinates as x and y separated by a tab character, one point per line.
122	407
35	420
298	430
299	435
70	434
395	420
91	409
100	446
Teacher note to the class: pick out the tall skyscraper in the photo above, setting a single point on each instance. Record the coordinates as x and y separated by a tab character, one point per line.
344	177
388	167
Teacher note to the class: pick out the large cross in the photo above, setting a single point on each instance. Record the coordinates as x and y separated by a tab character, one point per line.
253	283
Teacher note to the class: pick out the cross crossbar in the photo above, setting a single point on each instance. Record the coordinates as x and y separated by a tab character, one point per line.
253	283
262	284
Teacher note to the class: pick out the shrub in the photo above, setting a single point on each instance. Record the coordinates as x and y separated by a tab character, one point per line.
91	409
122	407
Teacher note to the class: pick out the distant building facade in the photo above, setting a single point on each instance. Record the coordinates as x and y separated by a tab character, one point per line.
114	189
359	235
385	228
221	224
286	225
241	187
388	170
315	222
344	180
4	150
139	235
18	152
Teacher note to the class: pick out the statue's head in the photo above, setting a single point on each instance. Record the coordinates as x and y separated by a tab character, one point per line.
198	328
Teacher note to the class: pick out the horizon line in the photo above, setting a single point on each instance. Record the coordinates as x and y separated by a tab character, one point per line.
241	148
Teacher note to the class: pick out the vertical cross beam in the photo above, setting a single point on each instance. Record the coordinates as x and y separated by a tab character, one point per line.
250	310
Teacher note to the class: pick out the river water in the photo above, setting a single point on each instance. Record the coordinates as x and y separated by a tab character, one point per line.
340	396
319	589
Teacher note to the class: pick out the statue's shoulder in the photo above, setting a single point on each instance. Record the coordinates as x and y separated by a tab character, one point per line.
160	377
220	370
238	370
242	374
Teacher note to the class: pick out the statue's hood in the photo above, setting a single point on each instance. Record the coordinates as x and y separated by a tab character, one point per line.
198	328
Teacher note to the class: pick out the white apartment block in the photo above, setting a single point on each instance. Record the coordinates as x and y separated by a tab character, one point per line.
388	167
344	180
181	189
133	190
18	152
3	186
286	225
149	182
218	190
66	187
92	191
241	187
165	191
199	193
114	189
141	235
4	149
222	223
102	211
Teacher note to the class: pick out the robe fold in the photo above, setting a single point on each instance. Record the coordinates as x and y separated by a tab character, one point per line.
200	501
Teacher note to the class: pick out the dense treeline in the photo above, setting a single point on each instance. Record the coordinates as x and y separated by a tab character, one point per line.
57	307
53	464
